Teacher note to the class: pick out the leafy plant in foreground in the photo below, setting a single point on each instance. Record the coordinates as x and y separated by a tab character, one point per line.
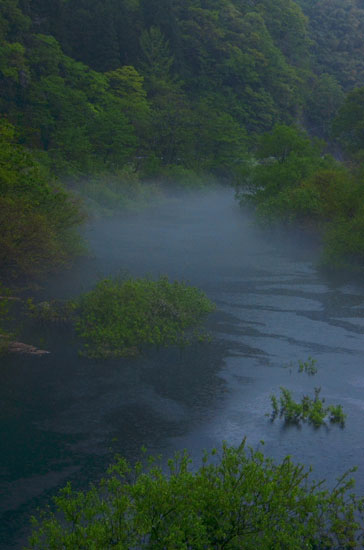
118	317
311	410
236	499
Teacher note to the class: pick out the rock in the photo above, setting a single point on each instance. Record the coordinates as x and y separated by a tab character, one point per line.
20	347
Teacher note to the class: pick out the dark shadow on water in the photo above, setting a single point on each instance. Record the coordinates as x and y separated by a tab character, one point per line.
64	419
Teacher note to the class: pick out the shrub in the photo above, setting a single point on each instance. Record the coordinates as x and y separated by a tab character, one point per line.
118	317
311	410
235	500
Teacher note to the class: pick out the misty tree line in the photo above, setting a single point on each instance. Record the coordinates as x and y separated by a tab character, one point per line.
105	94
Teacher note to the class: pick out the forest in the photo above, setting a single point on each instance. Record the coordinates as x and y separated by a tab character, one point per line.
109	106
105	103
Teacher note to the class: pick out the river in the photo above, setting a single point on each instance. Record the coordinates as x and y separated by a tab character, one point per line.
63	416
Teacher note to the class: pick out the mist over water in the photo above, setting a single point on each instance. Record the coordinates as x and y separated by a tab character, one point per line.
63	417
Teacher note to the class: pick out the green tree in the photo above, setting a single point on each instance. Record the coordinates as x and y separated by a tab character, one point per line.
336	29
128	86
36	217
236	499
74	115
323	101
276	182
157	60
348	126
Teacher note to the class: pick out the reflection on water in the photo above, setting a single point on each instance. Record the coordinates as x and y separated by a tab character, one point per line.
63	417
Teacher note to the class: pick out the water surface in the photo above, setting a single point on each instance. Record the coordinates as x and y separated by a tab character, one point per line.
63	417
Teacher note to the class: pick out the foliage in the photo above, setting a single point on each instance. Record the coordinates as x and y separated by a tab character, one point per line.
276	183
308	366
176	177
336	29
348	126
293	182
107	194
163	81
311	410
344	240
36	216
178	87
324	99
119	317
236	499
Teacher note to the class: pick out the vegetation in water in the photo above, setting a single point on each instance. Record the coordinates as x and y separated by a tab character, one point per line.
311	410
119	317
235	499
309	366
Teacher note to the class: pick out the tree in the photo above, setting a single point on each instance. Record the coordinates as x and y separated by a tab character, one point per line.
157	59
276	182
128	86
36	217
336	29
236	499
284	141
348	126
324	99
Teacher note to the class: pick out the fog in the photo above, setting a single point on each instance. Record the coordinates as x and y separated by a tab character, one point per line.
66	416
201	238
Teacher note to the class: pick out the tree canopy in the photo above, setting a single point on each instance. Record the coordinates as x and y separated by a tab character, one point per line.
235	499
174	87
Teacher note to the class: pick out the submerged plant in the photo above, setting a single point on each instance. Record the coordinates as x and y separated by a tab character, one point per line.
308	366
311	410
337	414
